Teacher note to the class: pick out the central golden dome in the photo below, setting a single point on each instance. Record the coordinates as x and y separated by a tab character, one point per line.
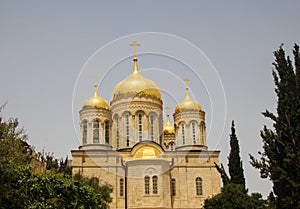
136	85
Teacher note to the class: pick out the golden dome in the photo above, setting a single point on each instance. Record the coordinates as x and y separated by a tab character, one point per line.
96	101
169	128
148	153
188	103
136	85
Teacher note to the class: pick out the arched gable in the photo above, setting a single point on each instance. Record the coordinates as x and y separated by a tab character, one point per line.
147	150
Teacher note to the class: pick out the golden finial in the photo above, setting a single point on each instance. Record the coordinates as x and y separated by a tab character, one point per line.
186	87
168	110
96	78
168	128
135	44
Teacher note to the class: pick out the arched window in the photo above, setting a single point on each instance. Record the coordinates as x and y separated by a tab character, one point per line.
140	127
202	133
154	184
127	129
147	185
182	133
117	132
121	187
151	127
194	132
106	132
199	189
173	187
95	131
84	132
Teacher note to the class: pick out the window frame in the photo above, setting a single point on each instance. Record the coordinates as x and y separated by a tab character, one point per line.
121	190
155	184
84	132
173	187
147	184
182	133
199	186
96	131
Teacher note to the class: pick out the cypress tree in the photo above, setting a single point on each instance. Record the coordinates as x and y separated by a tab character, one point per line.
235	164
280	159
236	171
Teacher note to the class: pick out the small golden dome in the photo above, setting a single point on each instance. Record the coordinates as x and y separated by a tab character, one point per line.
169	128
96	101
188	103
136	84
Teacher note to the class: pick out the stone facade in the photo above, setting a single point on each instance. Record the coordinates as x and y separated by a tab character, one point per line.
148	165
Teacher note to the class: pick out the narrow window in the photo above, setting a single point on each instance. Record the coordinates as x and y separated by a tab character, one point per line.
154	184
106	133
121	187
152	127
147	185
199	189
117	132
140	127
95	131
202	133
172	146
182	133
127	129
84	132
173	187
194	132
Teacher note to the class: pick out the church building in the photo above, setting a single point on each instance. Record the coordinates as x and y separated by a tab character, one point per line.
150	164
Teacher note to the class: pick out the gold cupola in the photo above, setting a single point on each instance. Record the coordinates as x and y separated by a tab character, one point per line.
169	128
96	101
136	84
188	103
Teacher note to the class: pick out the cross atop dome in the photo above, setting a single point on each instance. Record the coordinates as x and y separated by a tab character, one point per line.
135	44
186	86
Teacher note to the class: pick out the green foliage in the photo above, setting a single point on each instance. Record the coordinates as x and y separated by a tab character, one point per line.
20	187
235	164
280	159
14	152
55	191
104	190
234	196
224	176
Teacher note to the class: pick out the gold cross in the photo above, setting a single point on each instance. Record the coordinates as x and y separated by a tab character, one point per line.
186	87
186	83
168	110
96	79
134	44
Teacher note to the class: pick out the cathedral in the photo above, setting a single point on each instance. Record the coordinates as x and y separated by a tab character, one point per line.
150	164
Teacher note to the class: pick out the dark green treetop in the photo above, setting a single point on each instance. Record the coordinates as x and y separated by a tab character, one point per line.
280	159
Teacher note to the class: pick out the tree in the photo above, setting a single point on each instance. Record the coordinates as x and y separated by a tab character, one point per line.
280	159
234	194
235	164
14	152
21	187
54	190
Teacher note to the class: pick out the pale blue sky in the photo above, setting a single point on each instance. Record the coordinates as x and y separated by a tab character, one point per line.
44	45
